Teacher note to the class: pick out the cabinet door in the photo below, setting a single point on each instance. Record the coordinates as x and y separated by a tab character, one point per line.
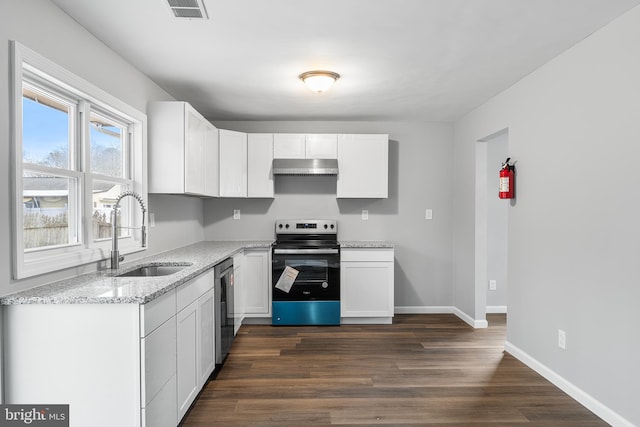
166	162
211	161
162	411
206	353
289	146
194	152
363	162
321	146
159	356
366	289
187	357
238	291
257	296
233	163
259	162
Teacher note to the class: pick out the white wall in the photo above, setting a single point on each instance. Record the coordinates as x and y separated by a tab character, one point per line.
41	26
419	178
574	231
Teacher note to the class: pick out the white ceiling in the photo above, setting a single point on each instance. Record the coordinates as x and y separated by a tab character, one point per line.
432	60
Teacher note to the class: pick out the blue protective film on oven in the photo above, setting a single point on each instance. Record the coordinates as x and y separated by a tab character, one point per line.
305	313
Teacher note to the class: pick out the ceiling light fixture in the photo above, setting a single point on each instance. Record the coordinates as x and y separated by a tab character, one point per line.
319	81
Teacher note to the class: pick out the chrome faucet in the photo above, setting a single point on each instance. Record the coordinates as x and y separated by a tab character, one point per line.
115	254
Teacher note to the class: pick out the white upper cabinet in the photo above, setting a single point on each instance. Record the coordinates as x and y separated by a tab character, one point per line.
211	167
363	166
289	146
321	146
233	163
305	146
194	153
179	154
260	160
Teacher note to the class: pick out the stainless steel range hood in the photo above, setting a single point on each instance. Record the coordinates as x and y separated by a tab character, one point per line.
305	167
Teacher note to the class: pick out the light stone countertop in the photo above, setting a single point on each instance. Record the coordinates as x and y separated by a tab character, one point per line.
103	288
380	244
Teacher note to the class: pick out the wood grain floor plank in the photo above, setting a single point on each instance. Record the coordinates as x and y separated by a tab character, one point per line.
424	370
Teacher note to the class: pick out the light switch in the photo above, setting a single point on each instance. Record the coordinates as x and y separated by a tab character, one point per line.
492	285
428	214
365	214
152	219
236	214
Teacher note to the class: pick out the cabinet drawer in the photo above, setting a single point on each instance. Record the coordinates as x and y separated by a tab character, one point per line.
159	354
156	312
192	290
162	410
368	254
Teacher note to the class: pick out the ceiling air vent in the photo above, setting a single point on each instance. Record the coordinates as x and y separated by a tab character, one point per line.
192	9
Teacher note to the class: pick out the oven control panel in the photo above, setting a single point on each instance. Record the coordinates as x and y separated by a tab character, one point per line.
306	226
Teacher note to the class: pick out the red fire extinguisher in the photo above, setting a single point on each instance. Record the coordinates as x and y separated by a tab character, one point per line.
507	180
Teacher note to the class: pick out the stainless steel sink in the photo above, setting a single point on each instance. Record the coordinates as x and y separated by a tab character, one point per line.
154	270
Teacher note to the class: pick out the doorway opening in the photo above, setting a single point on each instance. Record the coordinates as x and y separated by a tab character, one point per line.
491	226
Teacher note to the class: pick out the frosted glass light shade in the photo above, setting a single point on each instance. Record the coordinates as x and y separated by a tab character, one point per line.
319	81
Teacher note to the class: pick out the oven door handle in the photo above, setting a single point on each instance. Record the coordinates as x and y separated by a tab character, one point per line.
306	251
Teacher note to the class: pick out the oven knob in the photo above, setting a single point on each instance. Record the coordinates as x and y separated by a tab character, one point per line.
332	226
286	226
325	285
279	225
325	226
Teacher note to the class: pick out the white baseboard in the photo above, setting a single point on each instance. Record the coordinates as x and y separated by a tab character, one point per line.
366	320
496	309
588	401
442	309
431	309
477	324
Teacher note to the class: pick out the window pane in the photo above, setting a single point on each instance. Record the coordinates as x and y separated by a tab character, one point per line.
107	146
48	214
45	129
104	199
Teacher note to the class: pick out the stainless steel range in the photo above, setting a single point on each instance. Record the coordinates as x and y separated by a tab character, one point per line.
306	273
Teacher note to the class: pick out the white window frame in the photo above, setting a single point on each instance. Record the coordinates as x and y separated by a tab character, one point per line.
27	62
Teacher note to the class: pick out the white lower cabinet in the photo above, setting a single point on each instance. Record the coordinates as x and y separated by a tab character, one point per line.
257	282
147	362
366	285
158	351
238	291
187	361
161	411
194	304
206	336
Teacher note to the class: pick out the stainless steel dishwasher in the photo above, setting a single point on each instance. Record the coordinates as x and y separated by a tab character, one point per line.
223	308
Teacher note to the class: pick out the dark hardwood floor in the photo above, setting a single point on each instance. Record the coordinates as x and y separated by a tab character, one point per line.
422	370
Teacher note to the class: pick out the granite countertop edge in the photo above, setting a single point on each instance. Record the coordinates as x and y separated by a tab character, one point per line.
103	287
381	244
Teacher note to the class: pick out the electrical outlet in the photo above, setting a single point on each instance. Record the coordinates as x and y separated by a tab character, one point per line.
236	214
365	214
562	339
152	219
428	214
492	285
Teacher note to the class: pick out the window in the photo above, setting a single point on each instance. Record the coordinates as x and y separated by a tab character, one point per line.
76	149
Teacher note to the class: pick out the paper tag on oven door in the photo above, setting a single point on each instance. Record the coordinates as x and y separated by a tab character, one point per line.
287	278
